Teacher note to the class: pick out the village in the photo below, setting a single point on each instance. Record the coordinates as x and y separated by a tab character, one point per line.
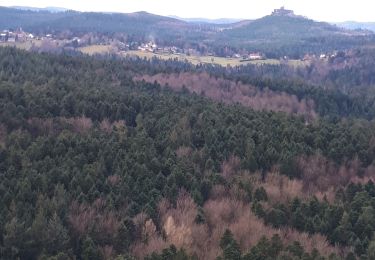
10	36
101	44
15	36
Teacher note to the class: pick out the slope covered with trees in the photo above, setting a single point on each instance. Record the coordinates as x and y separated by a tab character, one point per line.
140	25
96	166
277	36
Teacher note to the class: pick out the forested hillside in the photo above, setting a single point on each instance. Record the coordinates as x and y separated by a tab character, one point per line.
44	21
98	163
140	25
291	36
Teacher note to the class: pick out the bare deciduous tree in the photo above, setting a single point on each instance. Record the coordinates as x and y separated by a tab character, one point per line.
230	92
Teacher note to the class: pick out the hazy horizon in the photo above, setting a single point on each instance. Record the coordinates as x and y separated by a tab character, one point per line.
321	10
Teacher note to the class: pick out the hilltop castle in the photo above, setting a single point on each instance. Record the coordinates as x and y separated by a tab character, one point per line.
283	12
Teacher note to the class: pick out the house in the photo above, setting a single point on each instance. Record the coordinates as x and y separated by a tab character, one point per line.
256	56
122	46
3	37
308	57
252	56
140	48
192	52
164	50
150	47
21	37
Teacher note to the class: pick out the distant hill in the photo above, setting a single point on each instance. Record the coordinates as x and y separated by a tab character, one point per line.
84	21
51	9
357	25
209	21
280	27
290	33
27	19
140	24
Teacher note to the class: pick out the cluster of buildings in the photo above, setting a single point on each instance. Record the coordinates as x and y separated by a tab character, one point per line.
72	41
153	47
173	50
15	36
250	56
323	56
150	47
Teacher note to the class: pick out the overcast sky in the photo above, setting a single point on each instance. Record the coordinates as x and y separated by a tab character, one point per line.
322	10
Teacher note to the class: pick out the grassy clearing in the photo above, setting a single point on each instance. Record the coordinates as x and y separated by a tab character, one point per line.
104	49
96	49
22	45
212	59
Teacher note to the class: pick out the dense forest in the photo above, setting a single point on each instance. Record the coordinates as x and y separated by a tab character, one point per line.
99	159
343	86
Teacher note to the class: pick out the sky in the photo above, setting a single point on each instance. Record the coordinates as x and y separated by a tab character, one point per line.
321	10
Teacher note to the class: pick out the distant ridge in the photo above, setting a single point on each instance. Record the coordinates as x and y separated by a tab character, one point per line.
51	9
208	21
352	25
